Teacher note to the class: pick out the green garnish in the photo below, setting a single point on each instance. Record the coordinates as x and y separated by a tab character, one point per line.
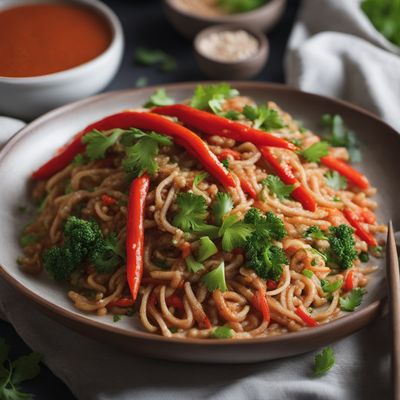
352	300
330	287
231	114
314	232
79	160
342	245
199	178
215	279
222	332
22	209
173	329
212	96
315	152
206	249
155	57
363	256
276	186
385	16
306	272
263	117
28	240
324	361
193	265
141	81
240	6
234	233
225	163
335	180
13	373
337	134
97	143
159	98
116	318
222	205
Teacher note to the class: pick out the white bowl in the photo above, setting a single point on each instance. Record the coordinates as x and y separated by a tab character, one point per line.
29	97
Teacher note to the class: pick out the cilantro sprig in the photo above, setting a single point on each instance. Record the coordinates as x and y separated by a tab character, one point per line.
324	361
315	152
276	186
222	332
156	58
335	180
352	300
263	117
13	373
159	98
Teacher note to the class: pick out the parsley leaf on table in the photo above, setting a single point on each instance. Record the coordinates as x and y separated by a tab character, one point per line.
330	287
324	361
155	57
275	185
335	180
352	300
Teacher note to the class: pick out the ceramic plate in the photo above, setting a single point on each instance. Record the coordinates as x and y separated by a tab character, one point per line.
35	144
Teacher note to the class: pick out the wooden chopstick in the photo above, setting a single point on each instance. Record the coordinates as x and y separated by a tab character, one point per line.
393	280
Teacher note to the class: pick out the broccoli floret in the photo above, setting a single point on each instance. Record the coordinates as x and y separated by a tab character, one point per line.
83	241
315	232
266	259
269	226
60	263
342	245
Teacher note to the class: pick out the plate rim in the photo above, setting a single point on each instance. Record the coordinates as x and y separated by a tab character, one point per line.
82	319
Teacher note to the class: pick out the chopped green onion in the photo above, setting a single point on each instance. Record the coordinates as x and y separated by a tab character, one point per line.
193	265
307	273
215	279
207	248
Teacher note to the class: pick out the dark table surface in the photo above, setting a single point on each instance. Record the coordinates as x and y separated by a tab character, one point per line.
145	25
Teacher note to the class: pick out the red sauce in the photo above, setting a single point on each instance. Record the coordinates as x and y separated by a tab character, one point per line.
40	39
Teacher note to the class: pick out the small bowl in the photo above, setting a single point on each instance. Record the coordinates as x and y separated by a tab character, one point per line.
30	97
189	24
243	69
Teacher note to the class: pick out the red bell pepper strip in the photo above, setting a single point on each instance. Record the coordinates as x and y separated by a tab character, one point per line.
107	200
135	233
271	284
300	193
174	301
212	124
260	302
247	188
308	320
147	121
353	176
229	152
348	282
360	231
122	302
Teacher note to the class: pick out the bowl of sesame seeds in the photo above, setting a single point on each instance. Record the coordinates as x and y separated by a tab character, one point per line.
231	51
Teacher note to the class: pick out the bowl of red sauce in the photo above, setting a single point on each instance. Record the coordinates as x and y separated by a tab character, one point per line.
55	52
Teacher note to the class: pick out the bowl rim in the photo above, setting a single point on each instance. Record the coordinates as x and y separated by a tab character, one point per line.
263	43
229	18
116	42
83	320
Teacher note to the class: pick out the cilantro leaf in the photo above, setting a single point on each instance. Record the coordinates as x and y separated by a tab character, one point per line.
26	367
308	273
330	287
352	300
315	152
335	180
97	143
141	156
215	279
159	98
263	117
221	206
116	318
234	233
225	163
337	134
155	57
212	96
192	211
324	361
199	178
239	6
315	232
276	186
222	332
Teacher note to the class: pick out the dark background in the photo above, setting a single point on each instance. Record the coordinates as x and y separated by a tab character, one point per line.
144	25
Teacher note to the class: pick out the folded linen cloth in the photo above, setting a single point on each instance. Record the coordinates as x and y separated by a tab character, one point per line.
334	50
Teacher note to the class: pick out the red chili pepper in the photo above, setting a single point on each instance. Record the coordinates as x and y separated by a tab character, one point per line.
260	302
107	200
360	231
271	284
215	125
310	321
174	301
147	121
247	188
229	152
135	233
186	249
286	174
348	282
353	176
122	302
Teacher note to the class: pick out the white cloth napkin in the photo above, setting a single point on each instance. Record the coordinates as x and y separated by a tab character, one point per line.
334	50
